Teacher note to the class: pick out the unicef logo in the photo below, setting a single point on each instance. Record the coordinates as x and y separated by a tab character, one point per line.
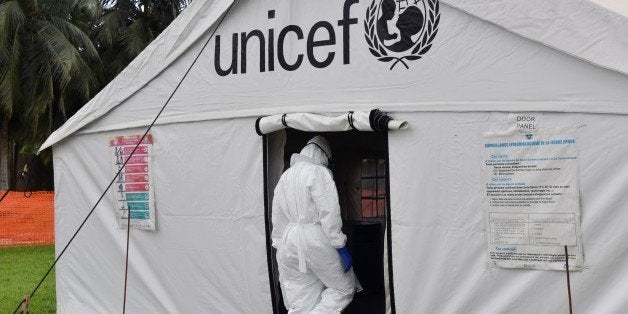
401	30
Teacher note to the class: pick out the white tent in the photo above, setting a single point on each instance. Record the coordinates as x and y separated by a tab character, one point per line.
210	172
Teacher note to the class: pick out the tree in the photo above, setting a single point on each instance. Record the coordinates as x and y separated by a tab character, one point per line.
48	68
52	54
128	26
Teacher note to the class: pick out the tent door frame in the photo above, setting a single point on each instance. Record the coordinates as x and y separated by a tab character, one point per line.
276	302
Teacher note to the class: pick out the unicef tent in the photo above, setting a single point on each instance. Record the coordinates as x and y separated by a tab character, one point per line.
504	161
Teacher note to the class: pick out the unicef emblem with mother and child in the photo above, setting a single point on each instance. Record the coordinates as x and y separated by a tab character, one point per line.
398	31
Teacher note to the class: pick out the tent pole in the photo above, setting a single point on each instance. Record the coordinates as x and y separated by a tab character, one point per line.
126	265
568	281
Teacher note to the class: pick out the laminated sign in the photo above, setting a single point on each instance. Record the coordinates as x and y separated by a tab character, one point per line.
133	187
532	199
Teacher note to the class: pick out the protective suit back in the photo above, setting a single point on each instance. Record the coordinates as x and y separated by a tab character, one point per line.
306	233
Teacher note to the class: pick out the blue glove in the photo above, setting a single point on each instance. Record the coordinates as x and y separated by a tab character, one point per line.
346	258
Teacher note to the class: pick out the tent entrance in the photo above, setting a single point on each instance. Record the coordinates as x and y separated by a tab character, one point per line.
359	167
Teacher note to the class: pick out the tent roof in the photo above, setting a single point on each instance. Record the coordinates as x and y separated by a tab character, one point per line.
194	22
618	6
579	28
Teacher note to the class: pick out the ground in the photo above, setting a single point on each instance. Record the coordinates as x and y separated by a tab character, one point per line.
21	268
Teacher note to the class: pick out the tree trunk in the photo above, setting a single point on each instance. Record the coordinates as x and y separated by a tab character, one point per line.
5	154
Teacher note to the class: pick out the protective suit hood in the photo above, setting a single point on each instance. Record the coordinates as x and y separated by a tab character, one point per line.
316	151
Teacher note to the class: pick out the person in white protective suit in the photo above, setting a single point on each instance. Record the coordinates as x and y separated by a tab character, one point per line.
314	265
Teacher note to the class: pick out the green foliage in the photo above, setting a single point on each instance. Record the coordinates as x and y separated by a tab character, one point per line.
49	67
21	268
128	26
55	55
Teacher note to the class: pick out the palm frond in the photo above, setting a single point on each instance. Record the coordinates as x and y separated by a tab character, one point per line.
59	8
113	25
38	80
11	17
93	9
83	82
10	87
75	35
131	7
29	7
108	3
115	60
4	59
55	60
41	101
62	55
137	37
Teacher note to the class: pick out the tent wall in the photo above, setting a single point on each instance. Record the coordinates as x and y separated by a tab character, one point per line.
209	248
208	251
438	228
473	65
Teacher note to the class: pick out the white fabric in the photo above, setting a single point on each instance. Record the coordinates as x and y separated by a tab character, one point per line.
438	229
306	229
323	288
319	123
439	243
306	194
618	6
208	253
477	64
323	144
577	27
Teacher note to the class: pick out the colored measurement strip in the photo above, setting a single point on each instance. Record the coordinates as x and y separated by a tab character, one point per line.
133	178
135	169
133	160
126	150
135	187
140	214
136	197
138	205
130	140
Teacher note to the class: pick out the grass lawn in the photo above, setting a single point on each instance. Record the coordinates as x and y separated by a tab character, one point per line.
21	268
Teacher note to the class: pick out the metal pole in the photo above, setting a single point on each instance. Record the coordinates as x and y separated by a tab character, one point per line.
126	264
568	281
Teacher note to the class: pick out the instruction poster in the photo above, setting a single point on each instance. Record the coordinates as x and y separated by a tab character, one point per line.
532	199
133	187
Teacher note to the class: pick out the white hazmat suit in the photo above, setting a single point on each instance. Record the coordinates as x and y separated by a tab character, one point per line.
306	233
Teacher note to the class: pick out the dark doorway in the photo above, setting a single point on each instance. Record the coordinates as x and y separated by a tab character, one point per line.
359	166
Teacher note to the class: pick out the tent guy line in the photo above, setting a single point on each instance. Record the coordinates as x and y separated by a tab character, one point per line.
452	226
119	172
128	225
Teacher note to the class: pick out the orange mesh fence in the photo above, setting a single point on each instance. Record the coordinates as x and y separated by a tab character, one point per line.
27	220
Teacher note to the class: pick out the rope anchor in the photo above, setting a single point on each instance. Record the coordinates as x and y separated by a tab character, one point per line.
24	307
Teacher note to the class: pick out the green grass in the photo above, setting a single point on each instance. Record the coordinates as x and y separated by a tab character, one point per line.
21	268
